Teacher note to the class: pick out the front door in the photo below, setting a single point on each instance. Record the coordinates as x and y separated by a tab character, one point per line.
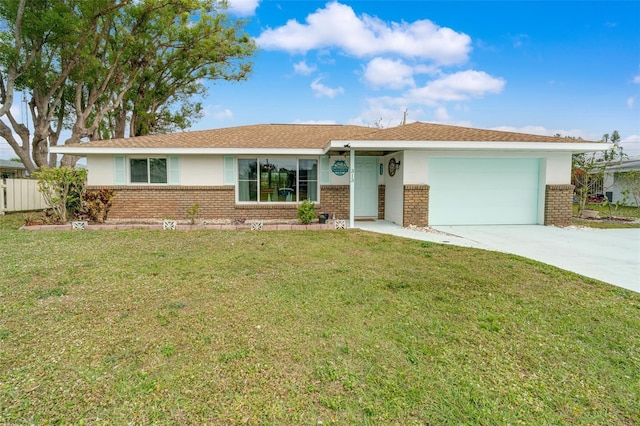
366	187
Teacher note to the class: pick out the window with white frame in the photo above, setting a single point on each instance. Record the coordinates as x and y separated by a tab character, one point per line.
284	180
148	170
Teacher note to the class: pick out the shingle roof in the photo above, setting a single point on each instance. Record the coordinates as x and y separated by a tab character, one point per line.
315	136
296	136
419	131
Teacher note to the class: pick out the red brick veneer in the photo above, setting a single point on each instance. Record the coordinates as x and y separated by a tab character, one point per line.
217	202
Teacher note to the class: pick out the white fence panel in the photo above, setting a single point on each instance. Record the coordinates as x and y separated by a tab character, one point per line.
22	195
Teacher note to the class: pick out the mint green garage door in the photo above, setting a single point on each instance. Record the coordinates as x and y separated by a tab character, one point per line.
484	191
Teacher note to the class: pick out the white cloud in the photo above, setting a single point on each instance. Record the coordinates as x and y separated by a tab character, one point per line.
380	115
631	145
321	90
459	86
243	7
631	102
337	26
223	114
392	74
217	112
442	115
303	69
636	79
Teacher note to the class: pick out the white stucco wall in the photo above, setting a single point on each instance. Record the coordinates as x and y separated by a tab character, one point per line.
394	190
555	167
100	170
201	170
558	168
195	170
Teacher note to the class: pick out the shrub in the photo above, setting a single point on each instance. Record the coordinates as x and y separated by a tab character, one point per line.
96	205
63	189
306	212
192	213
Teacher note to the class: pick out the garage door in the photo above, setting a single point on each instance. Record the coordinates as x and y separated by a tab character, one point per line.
483	191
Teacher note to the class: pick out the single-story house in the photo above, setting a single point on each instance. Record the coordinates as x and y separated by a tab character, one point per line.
416	174
12	170
616	180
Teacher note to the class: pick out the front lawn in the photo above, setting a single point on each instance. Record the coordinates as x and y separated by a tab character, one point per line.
626	212
338	327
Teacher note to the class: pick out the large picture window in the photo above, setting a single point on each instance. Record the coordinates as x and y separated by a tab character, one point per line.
283	180
148	170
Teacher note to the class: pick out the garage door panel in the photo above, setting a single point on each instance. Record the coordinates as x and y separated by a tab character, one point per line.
483	191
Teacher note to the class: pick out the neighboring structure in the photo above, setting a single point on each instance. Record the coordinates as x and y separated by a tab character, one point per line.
614	180
420	174
12	170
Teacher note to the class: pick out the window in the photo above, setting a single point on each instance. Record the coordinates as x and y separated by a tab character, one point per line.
148	170
284	180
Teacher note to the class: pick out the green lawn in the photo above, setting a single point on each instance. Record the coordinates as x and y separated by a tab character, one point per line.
338	327
622	212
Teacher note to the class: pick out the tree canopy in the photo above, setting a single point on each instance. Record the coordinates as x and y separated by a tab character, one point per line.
111	68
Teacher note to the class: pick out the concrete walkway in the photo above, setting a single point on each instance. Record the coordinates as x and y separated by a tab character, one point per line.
609	255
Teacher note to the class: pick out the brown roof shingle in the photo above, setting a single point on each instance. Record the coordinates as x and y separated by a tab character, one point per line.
282	136
315	136
419	131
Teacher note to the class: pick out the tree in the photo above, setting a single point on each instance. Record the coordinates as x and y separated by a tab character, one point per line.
588	169
108	68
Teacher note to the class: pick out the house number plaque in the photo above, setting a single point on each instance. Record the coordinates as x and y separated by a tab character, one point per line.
340	168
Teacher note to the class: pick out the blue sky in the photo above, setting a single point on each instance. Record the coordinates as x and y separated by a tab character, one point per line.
537	67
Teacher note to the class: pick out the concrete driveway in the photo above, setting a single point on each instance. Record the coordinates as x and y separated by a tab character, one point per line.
609	255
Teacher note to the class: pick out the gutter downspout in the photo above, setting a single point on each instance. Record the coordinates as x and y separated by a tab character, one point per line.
352	188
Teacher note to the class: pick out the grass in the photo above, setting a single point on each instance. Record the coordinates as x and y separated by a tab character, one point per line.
162	327
622	212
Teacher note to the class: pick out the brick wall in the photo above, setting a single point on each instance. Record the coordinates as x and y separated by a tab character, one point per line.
215	202
558	205
381	198
335	200
416	205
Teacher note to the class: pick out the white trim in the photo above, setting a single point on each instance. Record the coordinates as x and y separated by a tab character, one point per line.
352	188
80	150
468	145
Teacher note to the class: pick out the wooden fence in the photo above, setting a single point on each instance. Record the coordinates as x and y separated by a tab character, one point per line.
17	195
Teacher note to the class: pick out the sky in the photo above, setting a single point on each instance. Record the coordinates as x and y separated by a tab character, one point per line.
569	68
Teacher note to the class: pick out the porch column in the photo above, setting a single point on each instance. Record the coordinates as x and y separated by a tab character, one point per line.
352	188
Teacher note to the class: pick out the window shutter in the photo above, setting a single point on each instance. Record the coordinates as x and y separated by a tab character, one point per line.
229	170
119	170
325	173
174	171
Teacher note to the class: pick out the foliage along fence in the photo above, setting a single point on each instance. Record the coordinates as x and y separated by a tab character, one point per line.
20	195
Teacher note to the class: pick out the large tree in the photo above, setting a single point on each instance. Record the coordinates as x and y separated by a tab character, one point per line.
111	68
